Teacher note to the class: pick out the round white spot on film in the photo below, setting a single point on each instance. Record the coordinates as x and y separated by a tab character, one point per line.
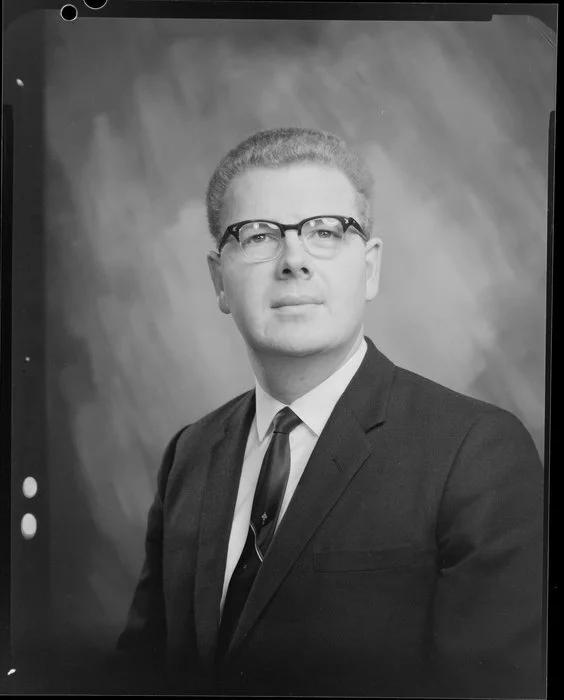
29	487
20	82
95	4
69	13
29	526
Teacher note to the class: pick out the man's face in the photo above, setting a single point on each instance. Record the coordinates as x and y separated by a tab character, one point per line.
267	298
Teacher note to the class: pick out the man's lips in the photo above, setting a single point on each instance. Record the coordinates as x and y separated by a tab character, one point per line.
292	300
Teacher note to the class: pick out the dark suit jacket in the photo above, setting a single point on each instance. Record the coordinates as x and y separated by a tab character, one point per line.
409	561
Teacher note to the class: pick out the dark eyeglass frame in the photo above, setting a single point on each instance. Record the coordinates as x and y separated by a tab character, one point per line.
345	221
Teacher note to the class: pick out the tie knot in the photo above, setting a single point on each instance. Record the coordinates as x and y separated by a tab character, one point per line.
285	421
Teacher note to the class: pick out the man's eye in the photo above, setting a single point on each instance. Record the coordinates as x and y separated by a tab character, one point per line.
260	239
327	234
256	238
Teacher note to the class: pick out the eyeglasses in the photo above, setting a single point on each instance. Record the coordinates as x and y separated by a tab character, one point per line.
321	236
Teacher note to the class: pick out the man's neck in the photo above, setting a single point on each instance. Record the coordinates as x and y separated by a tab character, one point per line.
286	378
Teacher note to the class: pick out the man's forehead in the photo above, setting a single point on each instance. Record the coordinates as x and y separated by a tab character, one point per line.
289	172
289	191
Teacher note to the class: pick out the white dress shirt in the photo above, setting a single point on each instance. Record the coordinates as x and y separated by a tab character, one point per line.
314	409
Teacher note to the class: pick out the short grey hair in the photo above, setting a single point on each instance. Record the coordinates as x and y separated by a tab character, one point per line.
275	148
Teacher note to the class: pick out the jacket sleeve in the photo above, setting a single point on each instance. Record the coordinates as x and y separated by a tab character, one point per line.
139	661
488	608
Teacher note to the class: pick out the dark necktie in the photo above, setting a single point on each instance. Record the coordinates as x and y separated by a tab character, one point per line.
267	502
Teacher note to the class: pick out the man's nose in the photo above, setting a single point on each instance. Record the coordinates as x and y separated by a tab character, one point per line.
294	259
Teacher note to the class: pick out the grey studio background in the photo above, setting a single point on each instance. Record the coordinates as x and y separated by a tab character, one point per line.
453	119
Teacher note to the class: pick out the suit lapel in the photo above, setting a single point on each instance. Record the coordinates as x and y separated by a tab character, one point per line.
226	460
340	452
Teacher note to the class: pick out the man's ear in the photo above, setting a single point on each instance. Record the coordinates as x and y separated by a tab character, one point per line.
214	264
373	253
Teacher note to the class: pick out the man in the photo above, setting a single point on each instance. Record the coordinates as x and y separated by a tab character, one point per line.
347	527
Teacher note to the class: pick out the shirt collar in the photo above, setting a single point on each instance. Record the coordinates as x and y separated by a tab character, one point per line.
315	407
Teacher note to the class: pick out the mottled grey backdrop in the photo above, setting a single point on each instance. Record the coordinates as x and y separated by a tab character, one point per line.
453	119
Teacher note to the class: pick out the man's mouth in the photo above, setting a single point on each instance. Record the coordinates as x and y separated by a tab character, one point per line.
294	300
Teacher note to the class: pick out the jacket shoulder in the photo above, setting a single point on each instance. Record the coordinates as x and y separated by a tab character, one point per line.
211	421
433	401
441	421
193	436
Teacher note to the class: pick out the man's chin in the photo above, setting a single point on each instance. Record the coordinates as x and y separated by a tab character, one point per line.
294	345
